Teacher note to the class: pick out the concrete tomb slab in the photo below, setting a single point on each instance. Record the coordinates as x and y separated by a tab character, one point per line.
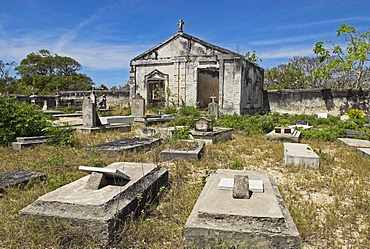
127	144
300	155
364	151
19	178
253	185
170	154
262	220
355	142
284	134
103	211
218	134
109	120
113	173
25	142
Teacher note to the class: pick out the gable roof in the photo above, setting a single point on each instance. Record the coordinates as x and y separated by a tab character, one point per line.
189	37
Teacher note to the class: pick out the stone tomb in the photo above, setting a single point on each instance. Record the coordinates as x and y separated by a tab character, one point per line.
19	178
25	142
355	142
300	155
188	155
101	212
288	134
204	131
364	151
127	144
262	221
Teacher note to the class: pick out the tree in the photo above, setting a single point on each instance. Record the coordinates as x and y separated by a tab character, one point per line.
349	63
5	80
252	57
47	72
298	73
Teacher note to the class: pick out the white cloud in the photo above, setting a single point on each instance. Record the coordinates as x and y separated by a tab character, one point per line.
286	52
292	39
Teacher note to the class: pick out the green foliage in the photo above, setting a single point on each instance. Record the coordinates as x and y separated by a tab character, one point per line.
187	116
61	135
235	164
248	124
252	57
182	133
189	111
46	72
172	109
355	114
352	59
97	161
20	120
59	180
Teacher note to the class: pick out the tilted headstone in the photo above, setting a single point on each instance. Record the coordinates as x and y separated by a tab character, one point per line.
203	124
213	108
138	106
89	116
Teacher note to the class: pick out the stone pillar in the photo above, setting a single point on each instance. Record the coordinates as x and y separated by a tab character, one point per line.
89	116
57	99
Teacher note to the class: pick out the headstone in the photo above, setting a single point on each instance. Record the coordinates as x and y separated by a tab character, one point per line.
45	106
138	106
344	118
18	177
203	124
213	108
96	181
322	115
89	116
302	122
57	99
241	187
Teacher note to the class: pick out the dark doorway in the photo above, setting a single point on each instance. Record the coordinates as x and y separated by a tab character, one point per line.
208	86
156	93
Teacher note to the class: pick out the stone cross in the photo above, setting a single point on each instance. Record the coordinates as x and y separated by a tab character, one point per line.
180	25
213	99
213	108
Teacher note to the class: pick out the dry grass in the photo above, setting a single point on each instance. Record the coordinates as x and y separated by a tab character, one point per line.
330	206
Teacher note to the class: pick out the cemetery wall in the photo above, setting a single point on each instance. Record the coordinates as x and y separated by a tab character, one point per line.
312	101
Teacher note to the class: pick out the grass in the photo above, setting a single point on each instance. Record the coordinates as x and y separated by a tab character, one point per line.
330	206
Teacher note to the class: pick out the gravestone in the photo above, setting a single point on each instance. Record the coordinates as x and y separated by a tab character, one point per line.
45	106
19	177
203	124
322	115
300	155
241	187
138	105
213	108
57	99
89	116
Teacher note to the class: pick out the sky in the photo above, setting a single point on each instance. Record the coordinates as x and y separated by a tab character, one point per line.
104	35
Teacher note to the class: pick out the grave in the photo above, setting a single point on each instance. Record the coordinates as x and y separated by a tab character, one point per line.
204	131
25	142
355	142
19	178
90	119
300	155
301	124
188	155
322	115
284	134
213	108
108	120
138	106
160	132
262	221
364	152
103	211
127	144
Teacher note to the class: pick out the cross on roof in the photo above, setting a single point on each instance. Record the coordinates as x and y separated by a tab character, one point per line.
180	25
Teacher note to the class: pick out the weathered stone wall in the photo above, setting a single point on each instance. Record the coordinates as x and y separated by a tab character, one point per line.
334	102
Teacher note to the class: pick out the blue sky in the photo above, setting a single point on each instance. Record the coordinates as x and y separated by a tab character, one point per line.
105	35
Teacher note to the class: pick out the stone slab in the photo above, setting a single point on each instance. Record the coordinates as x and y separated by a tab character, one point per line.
300	155
116	120
262	220
253	185
25	142
364	151
97	129
294	137
355	142
219	134
127	144
113	173
187	155
101	212
18	178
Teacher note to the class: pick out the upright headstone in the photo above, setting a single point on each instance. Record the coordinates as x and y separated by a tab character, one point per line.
138	105
203	124
45	106
89	116
213	108
57	99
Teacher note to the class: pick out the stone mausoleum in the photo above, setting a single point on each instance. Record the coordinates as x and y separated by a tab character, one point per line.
185	70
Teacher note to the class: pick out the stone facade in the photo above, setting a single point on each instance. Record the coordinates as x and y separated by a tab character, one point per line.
184	70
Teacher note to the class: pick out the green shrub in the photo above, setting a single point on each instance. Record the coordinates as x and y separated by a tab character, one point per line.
20	120
61	135
182	133
172	109
189	111
96	161
355	114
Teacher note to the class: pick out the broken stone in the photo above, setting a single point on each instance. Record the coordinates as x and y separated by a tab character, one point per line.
241	187
96	181
19	178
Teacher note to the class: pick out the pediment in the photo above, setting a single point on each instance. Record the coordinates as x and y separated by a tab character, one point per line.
156	75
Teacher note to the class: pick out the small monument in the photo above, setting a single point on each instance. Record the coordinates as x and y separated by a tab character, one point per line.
138	106
45	106
204	131
213	108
